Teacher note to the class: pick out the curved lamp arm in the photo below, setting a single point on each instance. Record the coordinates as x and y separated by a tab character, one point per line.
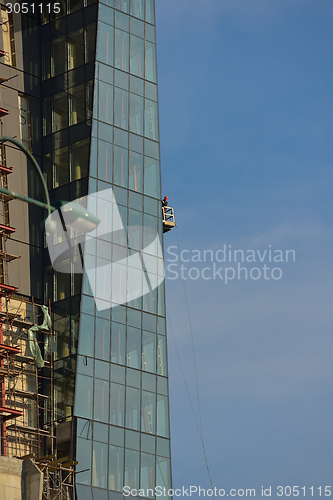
5	138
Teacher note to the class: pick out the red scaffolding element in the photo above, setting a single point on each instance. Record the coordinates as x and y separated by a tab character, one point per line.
3	112
5	170
6	229
8	349
7	289
11	413
2	53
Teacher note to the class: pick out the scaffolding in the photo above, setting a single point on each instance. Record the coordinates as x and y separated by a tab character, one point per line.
27	420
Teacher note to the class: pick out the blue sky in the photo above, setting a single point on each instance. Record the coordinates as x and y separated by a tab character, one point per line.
245	90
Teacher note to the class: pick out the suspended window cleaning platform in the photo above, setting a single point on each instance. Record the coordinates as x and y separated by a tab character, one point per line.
168	219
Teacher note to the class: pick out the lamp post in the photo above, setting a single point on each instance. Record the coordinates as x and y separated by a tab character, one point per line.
47	206
79	218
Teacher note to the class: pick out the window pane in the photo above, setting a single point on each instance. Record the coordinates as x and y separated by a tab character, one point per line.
137	8
152	178
161	300
162	416
136	114
90	38
105	43
161	356
136	171
100	464
61	170
83	396
149	352
147	472
101	401
118	337
133	347
83	450
58	61
132	468
104	161
163	476
78	104
150	62
120	166
122	5
133	408
148	414
86	336
75	48
117	404
60	111
121	108
121	50
79	158
116	464
102	335
105	102
136	56
151	120
150	11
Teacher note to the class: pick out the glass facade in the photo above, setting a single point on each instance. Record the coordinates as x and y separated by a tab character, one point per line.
100	130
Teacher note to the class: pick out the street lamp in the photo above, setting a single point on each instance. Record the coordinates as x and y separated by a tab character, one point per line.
77	217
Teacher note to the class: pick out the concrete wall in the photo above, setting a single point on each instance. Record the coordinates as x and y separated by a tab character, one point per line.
20	479
10	478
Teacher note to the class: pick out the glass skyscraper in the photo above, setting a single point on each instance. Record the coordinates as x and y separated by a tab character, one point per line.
89	90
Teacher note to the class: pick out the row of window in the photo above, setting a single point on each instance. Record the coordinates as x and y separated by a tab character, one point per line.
126	110
141	9
126	52
110	341
121	405
114	284
68	52
113	467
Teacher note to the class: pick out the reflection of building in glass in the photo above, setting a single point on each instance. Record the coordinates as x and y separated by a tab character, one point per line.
89	113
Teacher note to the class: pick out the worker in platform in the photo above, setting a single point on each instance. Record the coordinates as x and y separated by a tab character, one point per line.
165	202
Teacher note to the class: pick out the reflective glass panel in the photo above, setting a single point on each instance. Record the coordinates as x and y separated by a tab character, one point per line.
149	352
150	62
136	56
148	413
161	356
121	50
133	408
83	396
83	450
105	161
151	178
137	8
133	356
132	468
147	473
105	44
121	108
102	336
151	120
116	464
162	416
120	166
117	404
101	401
100	464
105	102
118	338
136	114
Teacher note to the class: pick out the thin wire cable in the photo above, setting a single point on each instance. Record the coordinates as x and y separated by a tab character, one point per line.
188	314
200	430
189	397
